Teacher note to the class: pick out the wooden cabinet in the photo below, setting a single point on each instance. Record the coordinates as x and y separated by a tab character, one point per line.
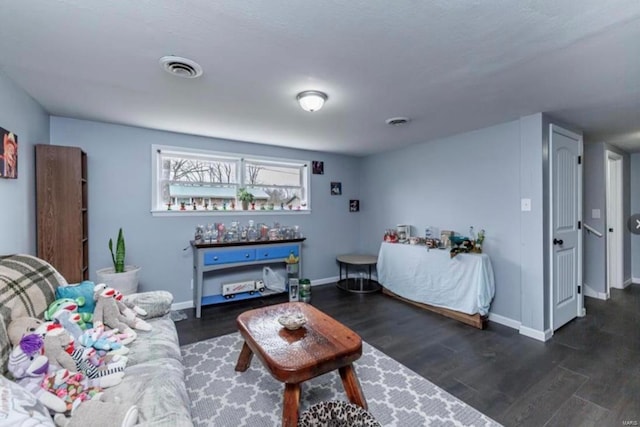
61	210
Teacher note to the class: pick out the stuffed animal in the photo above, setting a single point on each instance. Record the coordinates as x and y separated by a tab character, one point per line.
69	322
129	310
94	413
71	305
130	313
59	349
107	312
29	367
72	388
104	341
20	327
56	342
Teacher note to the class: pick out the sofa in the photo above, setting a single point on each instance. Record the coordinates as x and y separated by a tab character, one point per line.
154	376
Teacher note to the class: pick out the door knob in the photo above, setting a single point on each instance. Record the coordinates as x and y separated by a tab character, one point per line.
558	241
611	230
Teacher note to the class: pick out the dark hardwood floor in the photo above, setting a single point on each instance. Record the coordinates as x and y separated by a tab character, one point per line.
588	374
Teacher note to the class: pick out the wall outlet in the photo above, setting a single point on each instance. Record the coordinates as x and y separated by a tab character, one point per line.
525	205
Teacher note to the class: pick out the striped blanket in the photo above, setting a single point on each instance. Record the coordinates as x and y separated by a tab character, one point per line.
27	287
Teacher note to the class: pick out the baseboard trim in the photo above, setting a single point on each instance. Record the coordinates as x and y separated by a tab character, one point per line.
591	293
635	280
536	334
506	321
181	305
627	282
324	281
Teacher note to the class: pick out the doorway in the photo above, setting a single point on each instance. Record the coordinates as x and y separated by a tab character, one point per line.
614	211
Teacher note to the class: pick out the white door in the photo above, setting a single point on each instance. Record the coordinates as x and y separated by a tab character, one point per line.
566	238
614	221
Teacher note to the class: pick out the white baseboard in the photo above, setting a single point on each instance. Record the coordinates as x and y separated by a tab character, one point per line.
536	334
590	292
627	282
189	304
506	321
324	281
181	305
635	280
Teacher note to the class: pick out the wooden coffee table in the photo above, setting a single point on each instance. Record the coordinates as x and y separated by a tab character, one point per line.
320	346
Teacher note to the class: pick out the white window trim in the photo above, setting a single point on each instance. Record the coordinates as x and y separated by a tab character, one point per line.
155	191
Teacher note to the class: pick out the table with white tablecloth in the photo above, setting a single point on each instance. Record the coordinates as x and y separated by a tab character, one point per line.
464	283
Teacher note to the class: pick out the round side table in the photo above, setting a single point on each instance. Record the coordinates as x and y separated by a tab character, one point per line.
359	285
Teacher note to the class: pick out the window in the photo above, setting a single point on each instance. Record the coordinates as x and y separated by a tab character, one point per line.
198	180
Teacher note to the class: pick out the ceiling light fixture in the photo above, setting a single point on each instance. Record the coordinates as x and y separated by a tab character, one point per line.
397	121
311	100
181	67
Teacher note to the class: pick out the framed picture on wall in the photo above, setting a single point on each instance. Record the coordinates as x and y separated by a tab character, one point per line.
317	167
354	205
336	188
8	154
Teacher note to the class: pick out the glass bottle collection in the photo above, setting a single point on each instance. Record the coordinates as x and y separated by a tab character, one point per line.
219	233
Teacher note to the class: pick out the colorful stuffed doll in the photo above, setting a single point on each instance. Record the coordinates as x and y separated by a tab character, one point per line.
69	322
108	314
60	351
104	341
72	388
30	368
71	305
114	313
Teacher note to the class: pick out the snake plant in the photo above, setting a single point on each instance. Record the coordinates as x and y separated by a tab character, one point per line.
118	257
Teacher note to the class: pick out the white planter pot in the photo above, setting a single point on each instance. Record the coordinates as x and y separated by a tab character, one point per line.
126	282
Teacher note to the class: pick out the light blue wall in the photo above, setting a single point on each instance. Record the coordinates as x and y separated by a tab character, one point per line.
119	169
595	253
534	280
453	183
22	115
634	197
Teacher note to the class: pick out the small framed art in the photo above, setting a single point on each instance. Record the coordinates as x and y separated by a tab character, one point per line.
354	205
317	167
8	154
336	188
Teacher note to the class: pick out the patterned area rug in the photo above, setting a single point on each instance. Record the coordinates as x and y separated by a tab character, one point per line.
396	396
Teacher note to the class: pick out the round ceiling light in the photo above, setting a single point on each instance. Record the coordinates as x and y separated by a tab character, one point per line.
311	100
397	121
181	67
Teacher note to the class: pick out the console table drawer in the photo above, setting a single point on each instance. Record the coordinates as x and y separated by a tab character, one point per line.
277	252
227	257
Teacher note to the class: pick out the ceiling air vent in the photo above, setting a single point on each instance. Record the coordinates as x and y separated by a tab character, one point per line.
181	67
397	121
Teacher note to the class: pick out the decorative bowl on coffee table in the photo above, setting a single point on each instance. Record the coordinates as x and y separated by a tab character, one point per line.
292	321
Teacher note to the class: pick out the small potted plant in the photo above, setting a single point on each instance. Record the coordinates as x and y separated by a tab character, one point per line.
245	197
121	277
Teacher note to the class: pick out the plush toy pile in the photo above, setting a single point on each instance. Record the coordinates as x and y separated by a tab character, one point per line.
76	351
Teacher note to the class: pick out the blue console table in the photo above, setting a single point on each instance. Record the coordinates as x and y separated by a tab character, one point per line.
221	256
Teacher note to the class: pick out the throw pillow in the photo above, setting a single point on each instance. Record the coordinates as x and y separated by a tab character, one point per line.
82	289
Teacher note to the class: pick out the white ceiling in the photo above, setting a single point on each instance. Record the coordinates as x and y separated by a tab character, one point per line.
451	66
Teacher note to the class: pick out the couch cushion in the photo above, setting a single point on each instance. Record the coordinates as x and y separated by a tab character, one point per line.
155	303
158	388
27	287
161	342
